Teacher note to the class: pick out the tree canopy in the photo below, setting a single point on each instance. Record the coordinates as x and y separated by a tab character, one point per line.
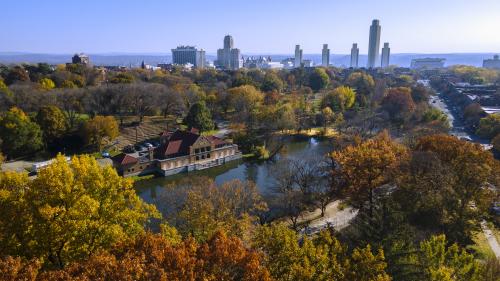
71	210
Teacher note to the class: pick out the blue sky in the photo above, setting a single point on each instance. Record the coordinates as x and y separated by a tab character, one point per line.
258	26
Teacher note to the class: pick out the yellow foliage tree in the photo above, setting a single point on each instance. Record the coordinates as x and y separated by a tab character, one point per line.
69	211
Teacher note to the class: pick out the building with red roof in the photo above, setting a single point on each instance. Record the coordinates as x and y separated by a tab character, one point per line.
179	151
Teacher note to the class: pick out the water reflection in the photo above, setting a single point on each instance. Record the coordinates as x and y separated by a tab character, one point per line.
258	172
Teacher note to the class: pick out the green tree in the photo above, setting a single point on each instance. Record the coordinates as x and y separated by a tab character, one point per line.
441	262
363	84
199	117
52	121
20	136
100	129
340	99
71	210
47	84
319	79
122	78
489	127
272	83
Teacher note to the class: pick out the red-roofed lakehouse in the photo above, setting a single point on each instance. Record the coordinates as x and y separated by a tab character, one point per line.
179	151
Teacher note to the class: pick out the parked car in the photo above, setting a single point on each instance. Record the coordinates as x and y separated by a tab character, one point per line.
148	145
105	154
129	149
139	147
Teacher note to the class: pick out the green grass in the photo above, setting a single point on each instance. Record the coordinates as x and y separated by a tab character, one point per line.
141	178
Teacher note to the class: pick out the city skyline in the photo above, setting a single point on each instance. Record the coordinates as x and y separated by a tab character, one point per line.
49	28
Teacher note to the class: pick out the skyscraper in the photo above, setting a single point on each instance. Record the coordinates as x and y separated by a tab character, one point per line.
188	54
354	55
386	53
374	44
325	56
298	57
229	57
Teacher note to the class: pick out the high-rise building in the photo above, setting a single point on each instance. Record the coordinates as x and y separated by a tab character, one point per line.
229	57
374	44
386	53
298	56
325	56
354	55
188	54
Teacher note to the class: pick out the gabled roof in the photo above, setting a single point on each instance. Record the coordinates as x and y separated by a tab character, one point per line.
124	159
177	143
215	140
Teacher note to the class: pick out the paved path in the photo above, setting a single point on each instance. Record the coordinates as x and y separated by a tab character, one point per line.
333	217
492	240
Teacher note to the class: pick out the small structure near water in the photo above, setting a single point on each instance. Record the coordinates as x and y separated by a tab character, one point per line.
179	151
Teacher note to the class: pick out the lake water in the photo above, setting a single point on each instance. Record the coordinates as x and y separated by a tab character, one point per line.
256	171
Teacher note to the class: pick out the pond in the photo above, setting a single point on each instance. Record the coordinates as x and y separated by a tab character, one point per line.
256	171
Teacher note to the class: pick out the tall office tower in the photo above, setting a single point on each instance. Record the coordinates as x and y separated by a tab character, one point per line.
228	42
236	61
354	55
386	53
228	57
298	56
374	44
325	56
188	54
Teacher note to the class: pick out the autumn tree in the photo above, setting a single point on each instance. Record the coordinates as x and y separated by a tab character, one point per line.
19	135
451	179
323	258
199	117
340	99
152	257
244	100
368	166
53	123
70	211
398	103
122	78
199	207
99	130
47	84
318	79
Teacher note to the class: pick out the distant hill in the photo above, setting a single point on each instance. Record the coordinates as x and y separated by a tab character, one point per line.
126	59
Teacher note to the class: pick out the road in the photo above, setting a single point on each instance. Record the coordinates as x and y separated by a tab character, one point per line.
492	240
